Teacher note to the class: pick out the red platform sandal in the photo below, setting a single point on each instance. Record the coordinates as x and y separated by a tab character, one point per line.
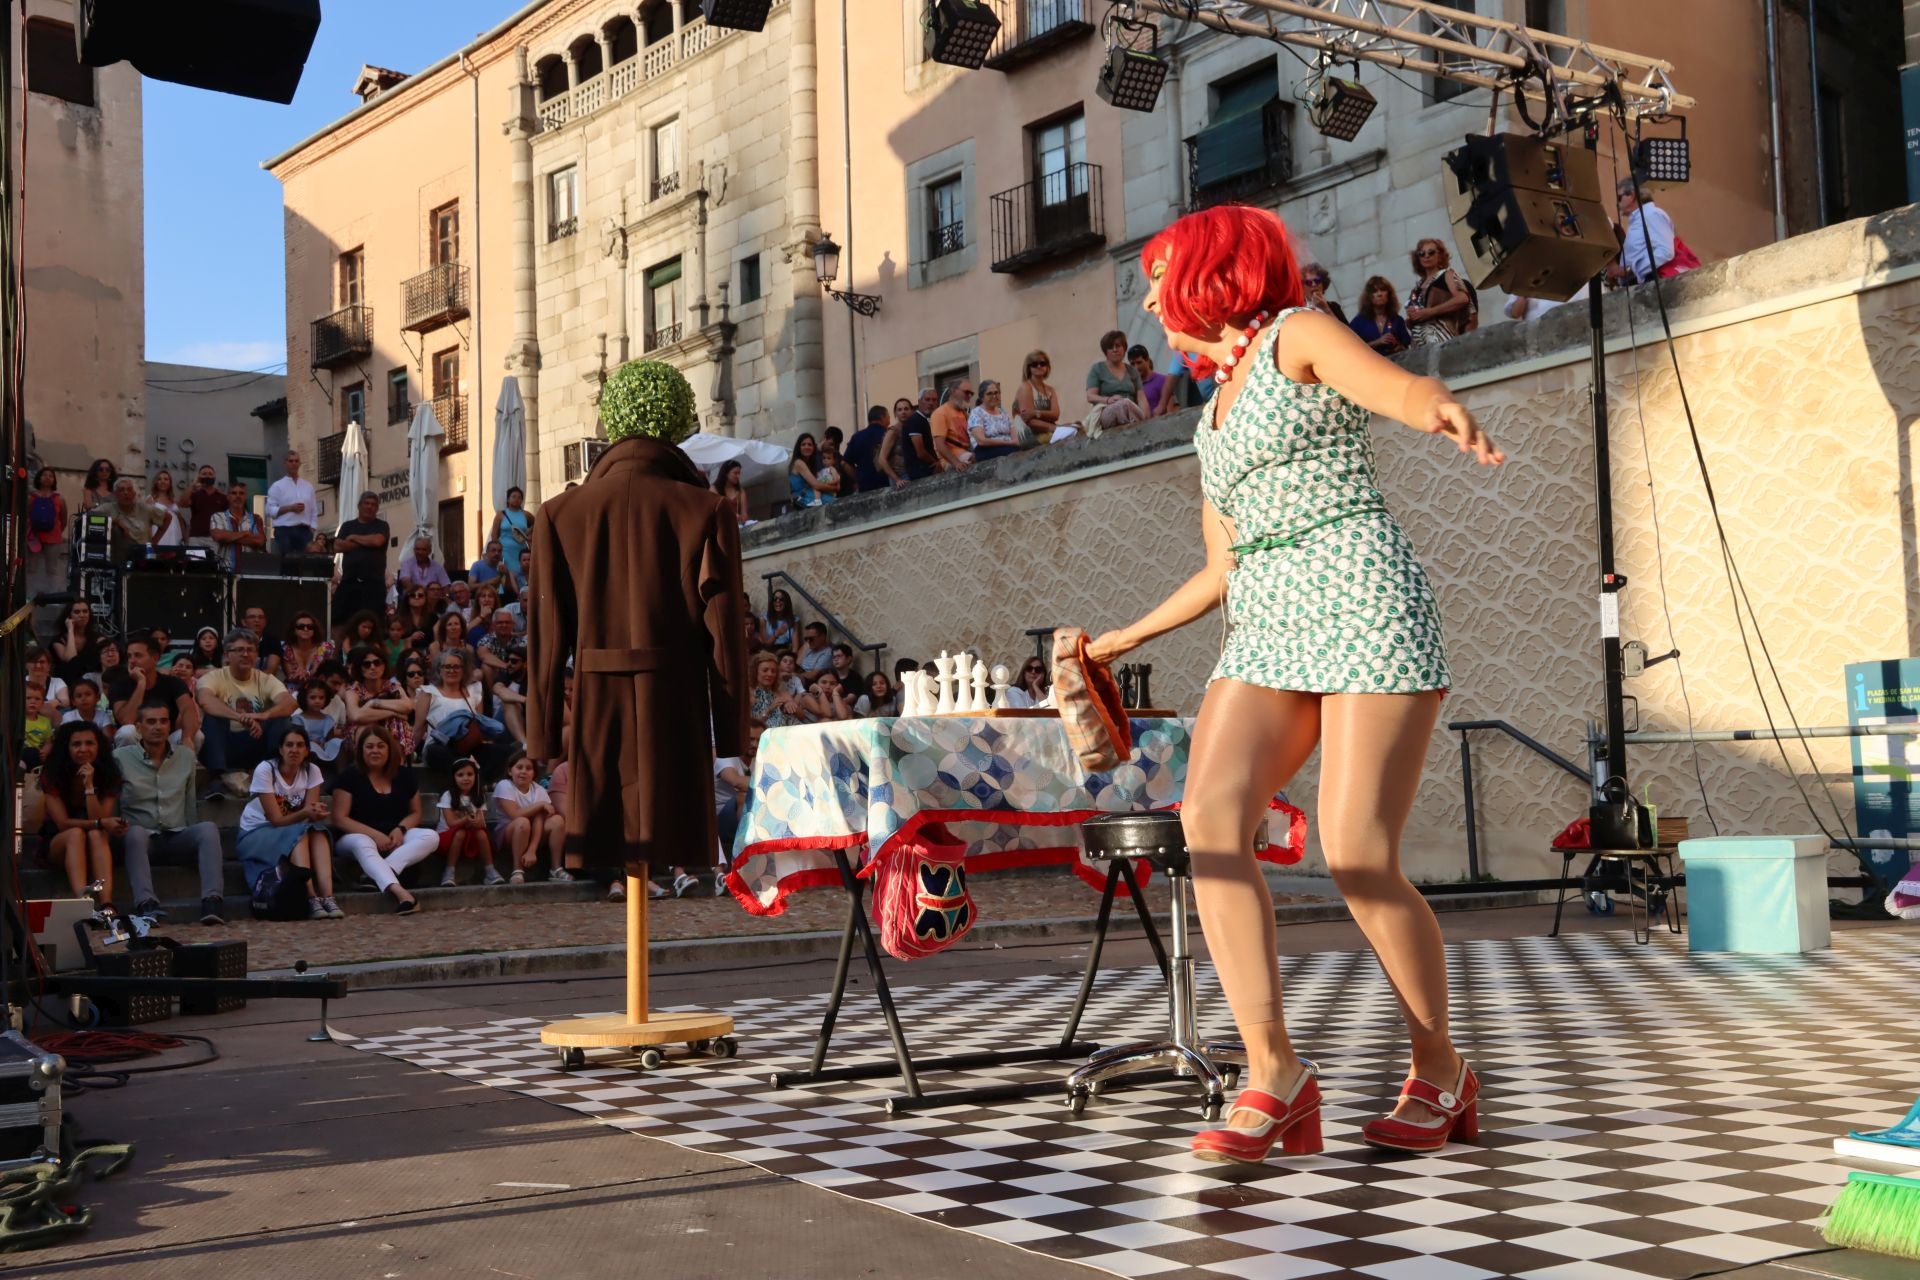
1293	1122
1458	1121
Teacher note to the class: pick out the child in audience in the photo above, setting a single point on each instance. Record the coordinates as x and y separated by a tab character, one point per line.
38	728
324	731
521	811
53	690
87	706
463	824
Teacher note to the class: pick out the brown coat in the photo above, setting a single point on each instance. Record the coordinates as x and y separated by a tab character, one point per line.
636	577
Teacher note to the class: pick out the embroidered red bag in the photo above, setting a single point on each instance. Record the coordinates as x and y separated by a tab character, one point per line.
921	897
1090	708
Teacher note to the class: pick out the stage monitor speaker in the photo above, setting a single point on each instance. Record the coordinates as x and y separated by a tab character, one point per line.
282	598
254	48
1527	216
181	603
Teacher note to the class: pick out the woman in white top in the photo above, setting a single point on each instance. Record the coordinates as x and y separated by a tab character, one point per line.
990	425
445	710
166	513
287	818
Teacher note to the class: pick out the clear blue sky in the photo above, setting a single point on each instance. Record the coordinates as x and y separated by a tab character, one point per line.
215	251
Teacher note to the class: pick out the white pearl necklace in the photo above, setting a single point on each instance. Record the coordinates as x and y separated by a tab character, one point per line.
1225	371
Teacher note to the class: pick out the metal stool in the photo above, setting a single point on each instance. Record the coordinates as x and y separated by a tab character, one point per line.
1215	1064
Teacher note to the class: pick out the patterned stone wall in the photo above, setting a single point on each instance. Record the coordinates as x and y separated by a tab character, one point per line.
1803	412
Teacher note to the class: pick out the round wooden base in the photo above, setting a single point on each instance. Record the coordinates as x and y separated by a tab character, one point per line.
614	1031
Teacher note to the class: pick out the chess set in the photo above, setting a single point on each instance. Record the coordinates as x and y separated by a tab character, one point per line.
960	689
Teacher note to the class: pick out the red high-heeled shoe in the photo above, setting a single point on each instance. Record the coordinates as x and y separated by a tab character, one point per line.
1458	1120
1293	1122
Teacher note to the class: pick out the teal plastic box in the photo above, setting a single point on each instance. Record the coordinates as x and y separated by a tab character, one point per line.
1757	894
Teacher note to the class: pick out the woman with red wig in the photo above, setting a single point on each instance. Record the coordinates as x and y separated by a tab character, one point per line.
1335	642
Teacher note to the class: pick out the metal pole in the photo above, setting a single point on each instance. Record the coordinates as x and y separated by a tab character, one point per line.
1813	92
1773	120
1610	582
1767	735
846	145
1466	783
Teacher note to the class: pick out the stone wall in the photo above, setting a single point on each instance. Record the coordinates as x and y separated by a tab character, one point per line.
1804	376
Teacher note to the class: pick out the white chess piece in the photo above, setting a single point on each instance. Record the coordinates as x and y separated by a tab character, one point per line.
963	681
922	694
1001	675
909	701
979	687
944	665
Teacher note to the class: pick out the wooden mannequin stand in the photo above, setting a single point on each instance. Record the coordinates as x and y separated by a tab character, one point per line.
639	1031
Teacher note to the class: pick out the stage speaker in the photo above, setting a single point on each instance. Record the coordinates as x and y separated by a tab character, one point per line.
254	48
282	598
180	602
1527	216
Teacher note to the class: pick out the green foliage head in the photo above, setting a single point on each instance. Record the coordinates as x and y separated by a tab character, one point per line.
647	398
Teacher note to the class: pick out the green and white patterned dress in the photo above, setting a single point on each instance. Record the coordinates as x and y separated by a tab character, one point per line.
1327	595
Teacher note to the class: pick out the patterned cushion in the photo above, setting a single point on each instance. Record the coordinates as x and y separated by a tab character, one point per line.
1089	701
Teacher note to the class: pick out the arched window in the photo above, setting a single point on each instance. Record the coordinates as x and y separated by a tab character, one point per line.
622	39
550	73
659	19
586	58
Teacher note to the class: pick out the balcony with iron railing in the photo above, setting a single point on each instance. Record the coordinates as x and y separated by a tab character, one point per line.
628	75
663	336
329	467
563	228
946	238
1031	29
399	412
344	337
437	296
1056	214
664	185
451	411
1240	157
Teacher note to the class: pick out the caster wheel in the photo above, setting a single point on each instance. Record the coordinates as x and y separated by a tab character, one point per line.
891	1107
572	1059
1600	904
724	1047
650	1059
1211	1109
1077	1103
1231	1077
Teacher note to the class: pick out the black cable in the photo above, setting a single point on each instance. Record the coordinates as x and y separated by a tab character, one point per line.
1736	584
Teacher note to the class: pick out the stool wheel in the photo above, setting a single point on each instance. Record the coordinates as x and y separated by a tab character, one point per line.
650	1059
1077	1102
572	1059
1213	1108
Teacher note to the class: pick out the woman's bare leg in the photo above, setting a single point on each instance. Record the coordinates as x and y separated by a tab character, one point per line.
1248	743
320	855
1373	747
100	855
69	849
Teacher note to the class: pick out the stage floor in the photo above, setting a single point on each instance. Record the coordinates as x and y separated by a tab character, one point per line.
1646	1113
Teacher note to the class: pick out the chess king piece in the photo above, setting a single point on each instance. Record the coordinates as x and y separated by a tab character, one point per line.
944	665
979	702
1001	675
963	681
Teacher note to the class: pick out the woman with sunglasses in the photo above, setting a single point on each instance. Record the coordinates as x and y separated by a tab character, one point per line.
374	697
781	623
1036	403
1033	686
303	650
1336	644
1314	279
1439	304
416	615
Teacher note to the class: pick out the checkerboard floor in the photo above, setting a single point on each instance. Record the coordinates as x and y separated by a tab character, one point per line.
1645	1113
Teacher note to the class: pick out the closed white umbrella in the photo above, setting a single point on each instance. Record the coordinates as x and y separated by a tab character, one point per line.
424	434
353	472
509	442
757	457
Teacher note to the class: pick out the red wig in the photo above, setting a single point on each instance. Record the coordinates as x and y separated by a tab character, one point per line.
1224	266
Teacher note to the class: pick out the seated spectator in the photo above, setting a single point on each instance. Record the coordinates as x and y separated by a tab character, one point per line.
376	810
206	648
816	655
323	731
397	640
37	726
416	618
879	699
254	619
450	636
420	569
489	568
1379	322
235	529
842	663
790	680
302	652
110	663
139	680
362	629
521	811
81	784
498	642
805	487
163	821
246	712
463	824
437	599
509	690
1033	686
333	674
781	624
286	822
1649	246
990	425
952	442
486	600
76	644
901	666
732	789
52	687
449	714
1156	388
375	698
1036	403
87	707
866	454
460	596
773	706
726	483
516	609
1113	387
826	701
1314	281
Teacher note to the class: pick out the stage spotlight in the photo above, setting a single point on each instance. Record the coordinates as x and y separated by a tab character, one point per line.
1341	107
960	32
1132	78
741	15
1664	160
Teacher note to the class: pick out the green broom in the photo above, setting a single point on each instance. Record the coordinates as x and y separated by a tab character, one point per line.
1877	1212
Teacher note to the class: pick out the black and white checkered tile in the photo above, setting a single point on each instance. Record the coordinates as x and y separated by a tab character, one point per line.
1646	1113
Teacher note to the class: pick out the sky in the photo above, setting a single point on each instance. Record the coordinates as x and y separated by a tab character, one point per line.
215	248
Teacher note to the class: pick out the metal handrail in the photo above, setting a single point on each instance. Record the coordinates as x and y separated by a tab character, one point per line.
834	625
1466	728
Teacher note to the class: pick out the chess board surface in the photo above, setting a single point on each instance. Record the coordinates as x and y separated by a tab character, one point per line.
1645	1113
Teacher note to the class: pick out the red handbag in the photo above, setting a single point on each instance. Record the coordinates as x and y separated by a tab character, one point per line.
920	894
1090	707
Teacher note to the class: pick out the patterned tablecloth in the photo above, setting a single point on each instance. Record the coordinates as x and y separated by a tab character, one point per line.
999	784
